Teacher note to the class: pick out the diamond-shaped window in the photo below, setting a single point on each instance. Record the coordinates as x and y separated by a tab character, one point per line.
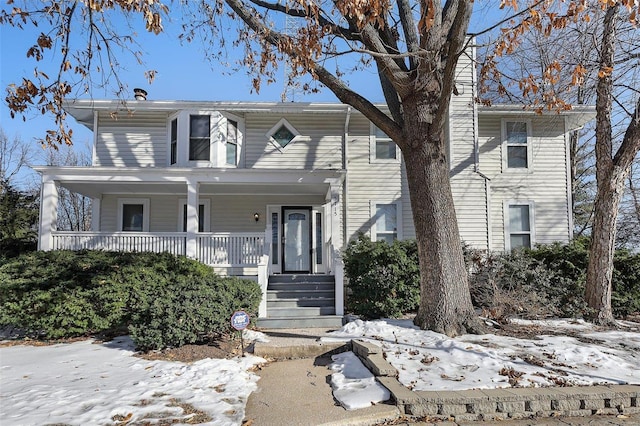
283	136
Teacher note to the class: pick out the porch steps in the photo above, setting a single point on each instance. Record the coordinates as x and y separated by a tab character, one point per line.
300	301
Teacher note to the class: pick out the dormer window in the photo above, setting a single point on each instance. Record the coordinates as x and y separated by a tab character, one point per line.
204	139
173	148
282	134
199	137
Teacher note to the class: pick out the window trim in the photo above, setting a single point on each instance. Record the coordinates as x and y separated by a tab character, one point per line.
373	151
172	119
283	122
507	222
506	145
182	202
372	214
222	153
145	212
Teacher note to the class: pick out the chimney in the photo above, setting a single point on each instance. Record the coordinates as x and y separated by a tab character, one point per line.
140	94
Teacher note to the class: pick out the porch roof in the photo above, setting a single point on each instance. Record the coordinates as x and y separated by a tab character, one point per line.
94	182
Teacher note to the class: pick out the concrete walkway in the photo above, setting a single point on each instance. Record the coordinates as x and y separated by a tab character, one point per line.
298	392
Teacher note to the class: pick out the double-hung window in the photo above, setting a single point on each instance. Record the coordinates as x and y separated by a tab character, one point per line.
133	215
382	146
519	225
199	137
385	221
173	143
232	142
516	135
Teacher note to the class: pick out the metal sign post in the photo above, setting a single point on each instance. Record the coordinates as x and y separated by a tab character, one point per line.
240	320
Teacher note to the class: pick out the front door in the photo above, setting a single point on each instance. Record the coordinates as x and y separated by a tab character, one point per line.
296	251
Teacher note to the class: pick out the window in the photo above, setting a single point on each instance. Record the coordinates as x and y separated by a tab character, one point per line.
381	148
199	137
133	215
516	135
232	142
519	226
385	222
318	238
203	216
174	141
282	134
275	241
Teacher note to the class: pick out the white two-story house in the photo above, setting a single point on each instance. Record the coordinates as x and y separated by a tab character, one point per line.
274	191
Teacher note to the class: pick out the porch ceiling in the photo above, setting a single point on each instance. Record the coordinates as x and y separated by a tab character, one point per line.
95	189
94	182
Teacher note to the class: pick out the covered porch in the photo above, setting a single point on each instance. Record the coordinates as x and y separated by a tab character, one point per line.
232	220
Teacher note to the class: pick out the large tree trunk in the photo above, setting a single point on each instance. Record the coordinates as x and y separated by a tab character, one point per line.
600	267
445	301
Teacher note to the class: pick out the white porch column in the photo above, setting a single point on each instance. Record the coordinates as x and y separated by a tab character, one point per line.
335	189
95	214
48	214
192	219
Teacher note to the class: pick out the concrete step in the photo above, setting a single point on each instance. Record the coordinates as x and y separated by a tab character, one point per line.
301	302
298	294
325	286
329	321
308	311
301	278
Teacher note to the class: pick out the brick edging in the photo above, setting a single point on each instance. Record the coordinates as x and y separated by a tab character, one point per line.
497	404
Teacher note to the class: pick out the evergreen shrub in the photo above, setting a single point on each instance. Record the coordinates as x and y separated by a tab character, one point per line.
61	294
384	279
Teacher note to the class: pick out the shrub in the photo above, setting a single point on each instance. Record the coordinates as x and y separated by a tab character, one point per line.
61	294
191	310
384	279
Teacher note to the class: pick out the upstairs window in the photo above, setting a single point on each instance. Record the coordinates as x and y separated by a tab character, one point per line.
516	134
174	141
232	142
282	134
382	147
520	226
199	137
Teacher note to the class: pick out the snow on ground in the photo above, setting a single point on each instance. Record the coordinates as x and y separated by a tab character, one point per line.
430	361
87	383
353	384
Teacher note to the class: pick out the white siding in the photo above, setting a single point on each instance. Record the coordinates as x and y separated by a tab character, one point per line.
138	140
234	213
229	213
461	119
469	197
544	183
163	212
319	145
378	181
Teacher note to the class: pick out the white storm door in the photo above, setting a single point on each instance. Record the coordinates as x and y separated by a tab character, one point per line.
297	240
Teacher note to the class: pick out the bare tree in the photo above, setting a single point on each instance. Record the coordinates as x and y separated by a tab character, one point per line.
15	157
74	210
414	45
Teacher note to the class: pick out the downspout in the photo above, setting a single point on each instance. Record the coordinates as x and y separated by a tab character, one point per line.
345	163
476	150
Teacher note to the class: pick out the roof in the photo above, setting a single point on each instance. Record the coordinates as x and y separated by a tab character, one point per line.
82	109
577	116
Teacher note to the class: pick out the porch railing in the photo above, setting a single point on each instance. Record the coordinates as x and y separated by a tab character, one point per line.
220	249
231	249
172	242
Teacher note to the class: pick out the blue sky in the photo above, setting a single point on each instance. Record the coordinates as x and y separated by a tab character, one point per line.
183	74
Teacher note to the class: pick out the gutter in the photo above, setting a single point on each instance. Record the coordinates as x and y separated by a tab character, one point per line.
345	165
